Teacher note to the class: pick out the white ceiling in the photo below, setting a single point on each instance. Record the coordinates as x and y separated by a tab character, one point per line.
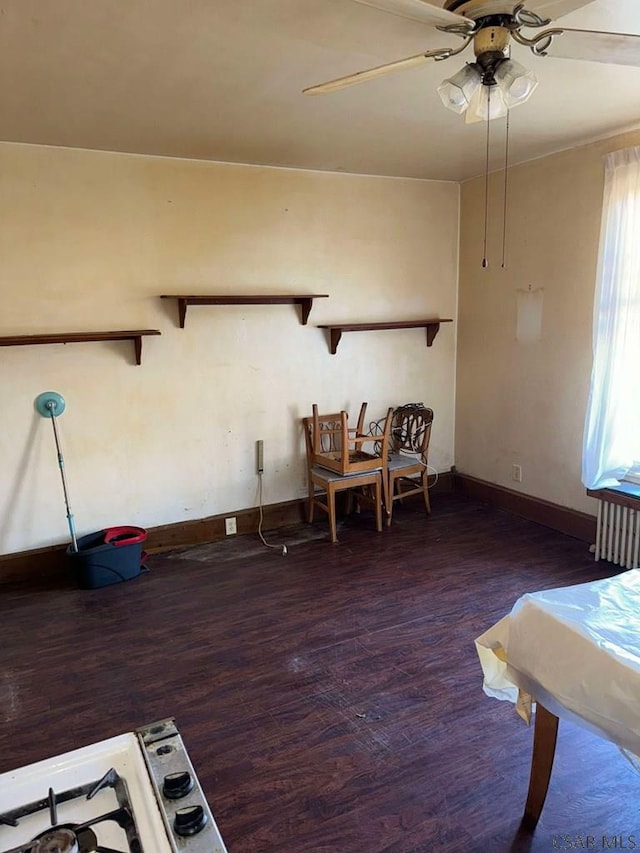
222	80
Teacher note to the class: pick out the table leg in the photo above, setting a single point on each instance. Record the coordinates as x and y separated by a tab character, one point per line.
544	747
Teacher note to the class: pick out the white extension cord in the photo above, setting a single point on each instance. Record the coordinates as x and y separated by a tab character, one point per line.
282	548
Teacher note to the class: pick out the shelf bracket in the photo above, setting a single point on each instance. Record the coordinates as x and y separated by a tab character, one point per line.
336	334
432	331
182	311
305	308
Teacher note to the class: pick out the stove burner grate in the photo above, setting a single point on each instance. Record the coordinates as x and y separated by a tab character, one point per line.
77	837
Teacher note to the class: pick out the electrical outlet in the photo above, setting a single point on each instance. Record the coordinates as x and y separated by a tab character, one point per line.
230	525
260	456
516	473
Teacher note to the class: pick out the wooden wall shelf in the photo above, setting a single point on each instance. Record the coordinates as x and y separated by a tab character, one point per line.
336	329
305	301
134	335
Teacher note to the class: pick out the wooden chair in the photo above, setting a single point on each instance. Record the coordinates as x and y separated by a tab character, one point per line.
336	461
407	470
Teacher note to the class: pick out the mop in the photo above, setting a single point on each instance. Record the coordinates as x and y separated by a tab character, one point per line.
50	404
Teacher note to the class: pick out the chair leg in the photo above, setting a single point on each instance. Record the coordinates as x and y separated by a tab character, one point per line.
425	490
349	503
311	503
389	498
378	498
385	492
331	509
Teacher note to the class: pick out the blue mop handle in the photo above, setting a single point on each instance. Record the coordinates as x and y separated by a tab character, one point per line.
72	527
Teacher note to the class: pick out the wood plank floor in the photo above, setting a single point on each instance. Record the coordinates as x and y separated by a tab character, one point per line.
330	699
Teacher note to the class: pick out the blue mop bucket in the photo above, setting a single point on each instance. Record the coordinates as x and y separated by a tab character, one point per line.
108	556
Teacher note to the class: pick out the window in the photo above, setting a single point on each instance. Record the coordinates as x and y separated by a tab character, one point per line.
612	427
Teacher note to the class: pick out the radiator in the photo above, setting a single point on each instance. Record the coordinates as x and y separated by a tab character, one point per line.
618	534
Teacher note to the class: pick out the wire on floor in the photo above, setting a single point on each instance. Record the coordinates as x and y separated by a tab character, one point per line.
282	548
431	471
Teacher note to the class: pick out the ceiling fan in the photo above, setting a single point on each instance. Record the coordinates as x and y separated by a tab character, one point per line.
488	87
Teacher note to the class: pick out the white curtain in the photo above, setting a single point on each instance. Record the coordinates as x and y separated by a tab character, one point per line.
612	426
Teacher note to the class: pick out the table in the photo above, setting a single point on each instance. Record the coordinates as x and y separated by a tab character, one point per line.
574	652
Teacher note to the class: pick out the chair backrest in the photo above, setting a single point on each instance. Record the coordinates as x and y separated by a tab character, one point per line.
411	430
326	437
332	445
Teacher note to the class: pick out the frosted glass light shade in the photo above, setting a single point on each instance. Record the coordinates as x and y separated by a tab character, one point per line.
456	92
515	82
484	107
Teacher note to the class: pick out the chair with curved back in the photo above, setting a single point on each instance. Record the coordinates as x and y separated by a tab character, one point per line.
407	469
339	459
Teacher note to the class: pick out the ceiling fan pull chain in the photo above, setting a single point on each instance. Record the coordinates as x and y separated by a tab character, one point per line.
485	262
506	189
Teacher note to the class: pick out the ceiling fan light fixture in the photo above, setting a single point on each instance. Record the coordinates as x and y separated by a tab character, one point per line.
486	104
456	92
515	82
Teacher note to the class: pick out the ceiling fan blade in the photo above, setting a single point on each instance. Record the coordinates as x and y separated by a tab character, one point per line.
593	46
555	8
416	10
546	9
378	71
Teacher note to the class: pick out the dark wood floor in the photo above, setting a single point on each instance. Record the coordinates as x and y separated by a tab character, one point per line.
331	699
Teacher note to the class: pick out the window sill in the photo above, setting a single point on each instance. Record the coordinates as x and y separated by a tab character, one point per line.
626	494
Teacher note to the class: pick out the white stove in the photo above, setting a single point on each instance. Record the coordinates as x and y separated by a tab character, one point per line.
135	793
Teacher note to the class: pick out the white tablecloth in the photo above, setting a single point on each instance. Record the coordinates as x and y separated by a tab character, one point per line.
576	650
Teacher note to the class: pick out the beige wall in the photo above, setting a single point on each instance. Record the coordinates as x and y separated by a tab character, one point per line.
524	403
89	240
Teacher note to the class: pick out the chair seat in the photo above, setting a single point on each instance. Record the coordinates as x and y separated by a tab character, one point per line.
333	476
398	461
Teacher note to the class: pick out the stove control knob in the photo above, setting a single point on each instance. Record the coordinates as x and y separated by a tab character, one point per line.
190	820
176	785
